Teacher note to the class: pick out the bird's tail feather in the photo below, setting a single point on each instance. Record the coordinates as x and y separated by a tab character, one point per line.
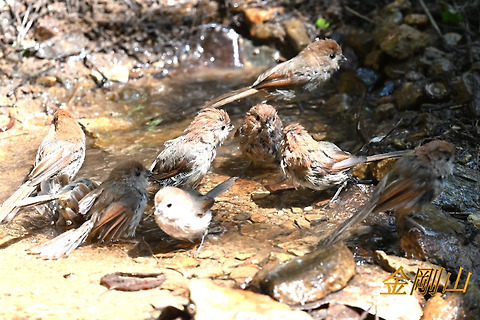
340	232
230	97
64	244
221	188
353	161
9	208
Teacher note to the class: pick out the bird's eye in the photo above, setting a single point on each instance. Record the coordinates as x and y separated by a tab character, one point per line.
257	118
169	205
223	127
332	56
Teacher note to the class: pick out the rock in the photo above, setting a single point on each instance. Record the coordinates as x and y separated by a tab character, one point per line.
105	124
382	168
403	42
309	278
297	210
452	38
391	263
260	194
374	59
385	111
453	306
408	96
417	19
297	34
215	302
365	290
446	241
339	102
474	218
63	45
239	274
46	81
261	15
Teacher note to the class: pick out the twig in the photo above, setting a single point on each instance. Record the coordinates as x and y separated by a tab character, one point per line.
430	17
358	14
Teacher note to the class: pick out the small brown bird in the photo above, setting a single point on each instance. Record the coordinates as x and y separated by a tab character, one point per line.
65	203
61	152
416	179
113	210
319	165
185	160
261	135
185	213
292	80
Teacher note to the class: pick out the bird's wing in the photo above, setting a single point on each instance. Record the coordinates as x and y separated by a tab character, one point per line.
50	165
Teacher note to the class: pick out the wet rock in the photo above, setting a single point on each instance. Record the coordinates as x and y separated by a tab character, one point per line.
474	218
408	96
362	171
452	38
241	273
453	306
416	19
385	111
365	290
403	42
350	84
47	81
260	194
464	92
374	59
391	263
105	124
309	278
261	15
215	302
446	241
297	210
297	34
242	216
63	45
368	76
460	193
437	63
436	90
268	31
382	168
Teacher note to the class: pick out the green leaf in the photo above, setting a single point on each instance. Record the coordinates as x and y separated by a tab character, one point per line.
321	23
449	14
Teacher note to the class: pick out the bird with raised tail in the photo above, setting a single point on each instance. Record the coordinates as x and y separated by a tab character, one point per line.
185	214
61	153
416	179
319	165
293	80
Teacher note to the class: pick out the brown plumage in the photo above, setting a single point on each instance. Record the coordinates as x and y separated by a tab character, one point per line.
416	179
113	210
61	152
292	80
185	160
260	135
319	165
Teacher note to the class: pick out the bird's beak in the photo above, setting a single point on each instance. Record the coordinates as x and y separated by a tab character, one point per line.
343	58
